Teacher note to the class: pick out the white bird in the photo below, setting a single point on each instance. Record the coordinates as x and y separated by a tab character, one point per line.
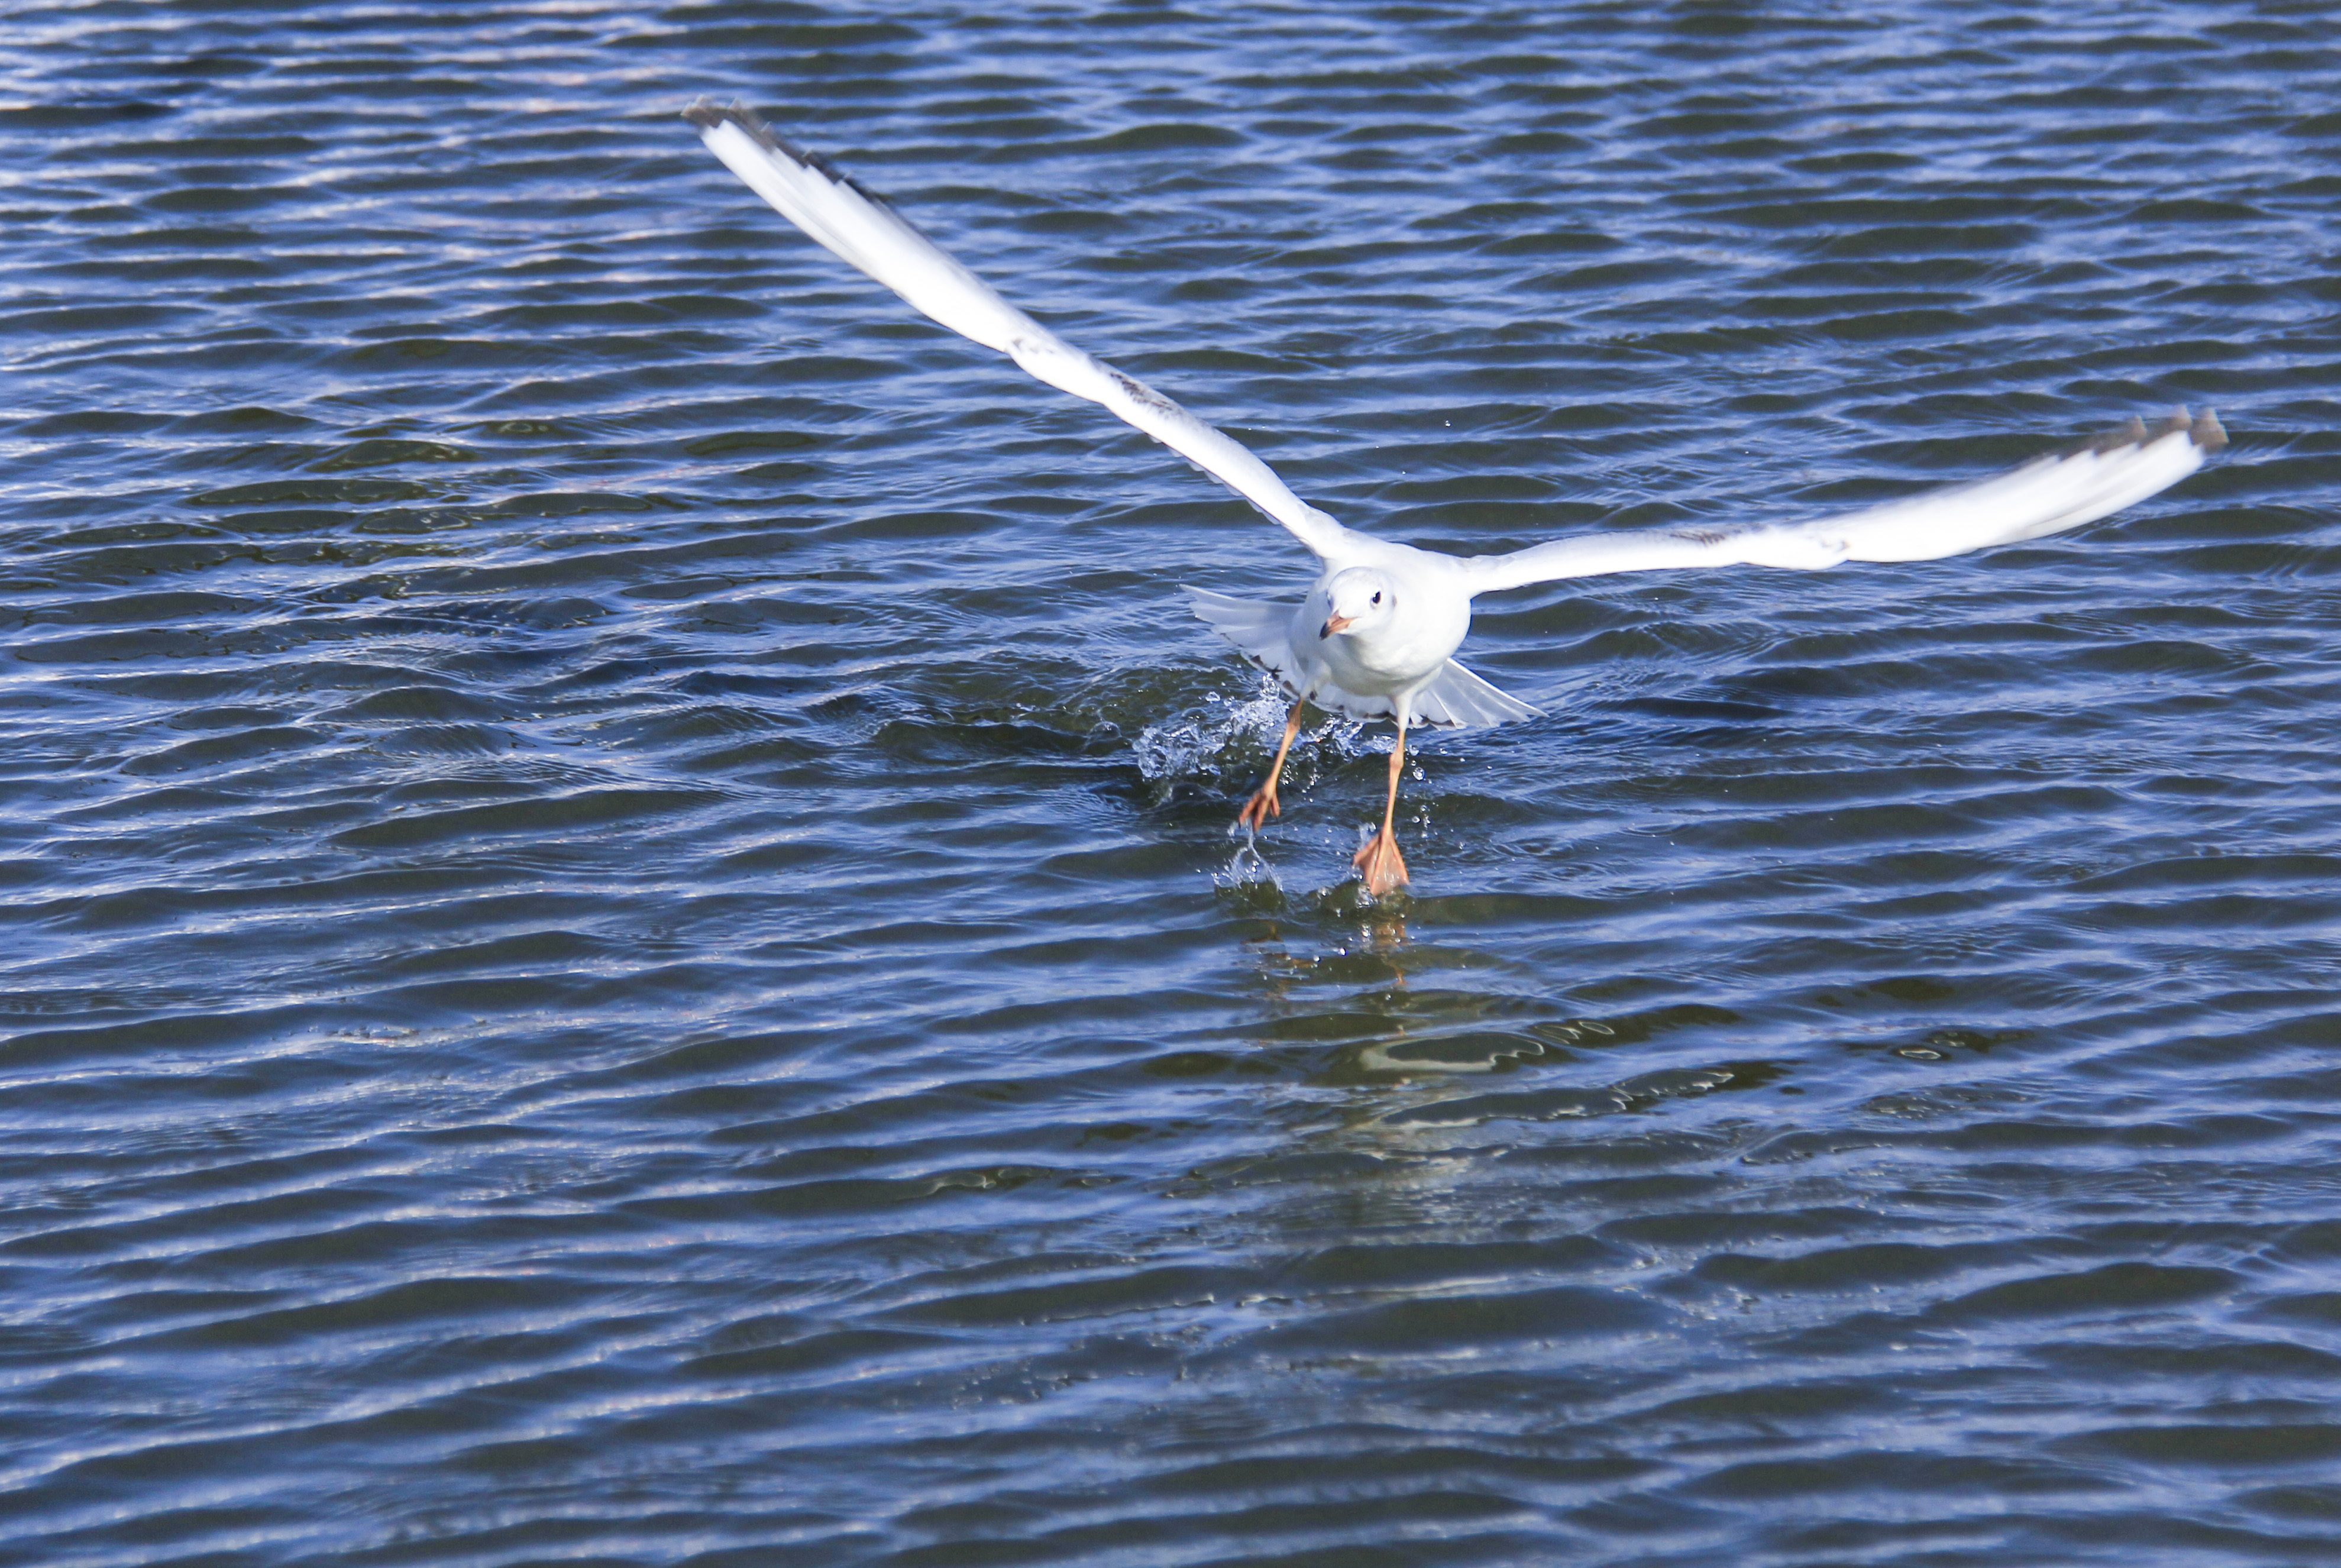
1376	636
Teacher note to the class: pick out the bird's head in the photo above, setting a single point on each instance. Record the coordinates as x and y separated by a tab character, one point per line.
1357	600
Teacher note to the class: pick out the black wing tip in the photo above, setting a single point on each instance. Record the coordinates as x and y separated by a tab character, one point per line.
2203	430
707	114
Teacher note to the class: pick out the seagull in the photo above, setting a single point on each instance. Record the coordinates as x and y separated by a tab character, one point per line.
1375	638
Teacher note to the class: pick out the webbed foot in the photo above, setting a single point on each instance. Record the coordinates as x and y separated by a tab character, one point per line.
1380	865
1260	808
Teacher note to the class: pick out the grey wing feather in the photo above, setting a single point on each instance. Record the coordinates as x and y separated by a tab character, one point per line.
2062	490
862	231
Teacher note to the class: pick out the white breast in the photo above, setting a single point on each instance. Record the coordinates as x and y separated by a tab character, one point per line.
1400	654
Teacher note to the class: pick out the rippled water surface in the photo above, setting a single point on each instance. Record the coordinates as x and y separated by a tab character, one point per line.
621	946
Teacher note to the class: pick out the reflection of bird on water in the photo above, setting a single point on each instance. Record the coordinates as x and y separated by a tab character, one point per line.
1376	634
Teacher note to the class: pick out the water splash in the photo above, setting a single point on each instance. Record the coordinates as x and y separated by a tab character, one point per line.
1229	741
1248	867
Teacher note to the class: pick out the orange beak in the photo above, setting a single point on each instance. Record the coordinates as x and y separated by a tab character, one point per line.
1336	624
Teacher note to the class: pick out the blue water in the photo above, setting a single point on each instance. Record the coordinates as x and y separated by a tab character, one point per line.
620	946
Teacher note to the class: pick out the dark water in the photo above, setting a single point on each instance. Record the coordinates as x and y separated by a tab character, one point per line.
620	946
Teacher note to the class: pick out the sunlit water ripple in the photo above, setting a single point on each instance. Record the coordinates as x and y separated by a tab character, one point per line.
620	946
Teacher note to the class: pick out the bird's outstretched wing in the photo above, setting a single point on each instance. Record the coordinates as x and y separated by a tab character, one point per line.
862	231
2059	491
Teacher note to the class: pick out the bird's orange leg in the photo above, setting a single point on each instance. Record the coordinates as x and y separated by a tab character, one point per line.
1380	862
1262	805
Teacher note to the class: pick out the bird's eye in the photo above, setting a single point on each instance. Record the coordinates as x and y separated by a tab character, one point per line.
1378	598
